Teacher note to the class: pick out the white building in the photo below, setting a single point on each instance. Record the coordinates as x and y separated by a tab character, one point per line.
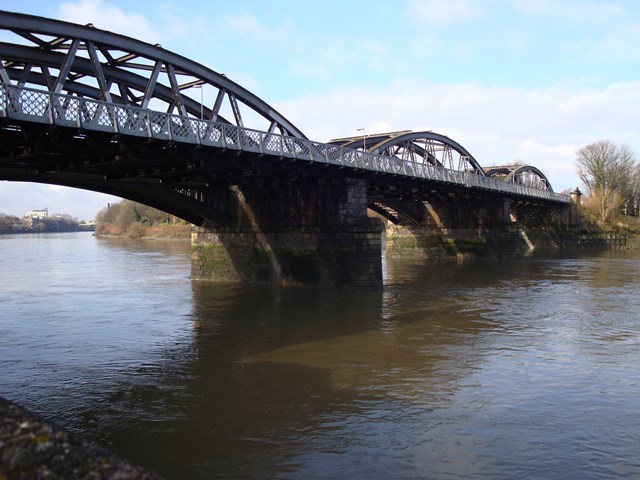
42	213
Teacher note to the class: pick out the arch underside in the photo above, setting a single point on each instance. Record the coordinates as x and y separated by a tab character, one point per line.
407	213
185	204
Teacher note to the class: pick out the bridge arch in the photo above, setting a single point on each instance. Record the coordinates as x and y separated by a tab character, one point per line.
424	147
527	175
91	63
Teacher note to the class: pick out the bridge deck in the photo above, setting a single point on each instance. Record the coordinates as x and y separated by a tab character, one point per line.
20	107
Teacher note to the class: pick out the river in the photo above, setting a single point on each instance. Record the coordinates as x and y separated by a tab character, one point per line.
510	368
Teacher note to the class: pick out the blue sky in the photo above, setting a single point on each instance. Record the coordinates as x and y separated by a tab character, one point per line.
511	80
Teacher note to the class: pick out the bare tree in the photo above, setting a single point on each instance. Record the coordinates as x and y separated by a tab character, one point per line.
609	173
632	205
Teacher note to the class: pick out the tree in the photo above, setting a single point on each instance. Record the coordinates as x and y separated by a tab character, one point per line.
7	222
128	217
609	174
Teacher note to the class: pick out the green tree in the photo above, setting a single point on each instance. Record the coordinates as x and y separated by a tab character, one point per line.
7	221
130	218
609	173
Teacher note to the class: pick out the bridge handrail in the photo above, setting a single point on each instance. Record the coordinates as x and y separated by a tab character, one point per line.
40	106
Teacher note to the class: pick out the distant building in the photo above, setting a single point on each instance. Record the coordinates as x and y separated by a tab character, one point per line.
40	221
42	213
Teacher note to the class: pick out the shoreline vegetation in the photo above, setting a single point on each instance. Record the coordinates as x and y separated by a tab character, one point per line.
42	222
137	221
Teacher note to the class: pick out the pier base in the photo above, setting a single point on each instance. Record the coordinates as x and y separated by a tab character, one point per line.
350	256
297	232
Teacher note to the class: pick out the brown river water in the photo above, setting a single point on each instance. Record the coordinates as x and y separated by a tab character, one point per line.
510	368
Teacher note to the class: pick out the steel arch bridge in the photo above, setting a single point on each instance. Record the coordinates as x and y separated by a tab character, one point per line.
87	108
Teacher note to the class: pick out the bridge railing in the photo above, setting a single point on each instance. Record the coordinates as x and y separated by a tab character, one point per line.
31	105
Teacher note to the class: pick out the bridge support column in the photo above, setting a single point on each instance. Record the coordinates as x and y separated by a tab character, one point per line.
457	227
468	215
313	232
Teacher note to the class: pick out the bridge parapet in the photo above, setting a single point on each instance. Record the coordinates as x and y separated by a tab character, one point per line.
44	107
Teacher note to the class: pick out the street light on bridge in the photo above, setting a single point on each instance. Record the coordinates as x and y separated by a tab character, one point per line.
201	87
364	138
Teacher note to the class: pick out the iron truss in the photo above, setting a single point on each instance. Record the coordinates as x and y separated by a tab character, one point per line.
427	148
521	175
87	62
434	149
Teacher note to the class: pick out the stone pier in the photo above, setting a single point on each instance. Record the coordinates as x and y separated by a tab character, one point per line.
313	232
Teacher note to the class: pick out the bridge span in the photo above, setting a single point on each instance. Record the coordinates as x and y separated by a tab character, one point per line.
91	109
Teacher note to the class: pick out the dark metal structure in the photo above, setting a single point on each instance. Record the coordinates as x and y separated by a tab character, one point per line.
520	174
87	62
91	109
426	148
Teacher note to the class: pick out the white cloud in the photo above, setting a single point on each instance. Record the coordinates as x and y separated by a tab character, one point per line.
335	57
622	44
248	25
531	7
571	11
589	11
442	13
107	16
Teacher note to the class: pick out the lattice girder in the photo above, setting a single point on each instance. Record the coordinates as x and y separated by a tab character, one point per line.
419	147
527	175
93	63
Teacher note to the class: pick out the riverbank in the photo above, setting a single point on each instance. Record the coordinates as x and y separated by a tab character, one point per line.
468	243
167	231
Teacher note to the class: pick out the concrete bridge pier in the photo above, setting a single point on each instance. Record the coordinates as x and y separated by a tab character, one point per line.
294	232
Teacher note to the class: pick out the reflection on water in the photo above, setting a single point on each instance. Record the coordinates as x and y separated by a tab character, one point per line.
510	368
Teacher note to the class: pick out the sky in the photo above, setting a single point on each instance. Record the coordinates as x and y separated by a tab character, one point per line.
530	81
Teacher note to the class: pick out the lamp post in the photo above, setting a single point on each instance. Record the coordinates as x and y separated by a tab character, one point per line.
364	138
201	87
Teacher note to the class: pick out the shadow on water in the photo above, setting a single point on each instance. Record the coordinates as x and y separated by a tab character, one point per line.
279	381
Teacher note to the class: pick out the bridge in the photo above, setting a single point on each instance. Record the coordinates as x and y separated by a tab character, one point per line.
91	109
